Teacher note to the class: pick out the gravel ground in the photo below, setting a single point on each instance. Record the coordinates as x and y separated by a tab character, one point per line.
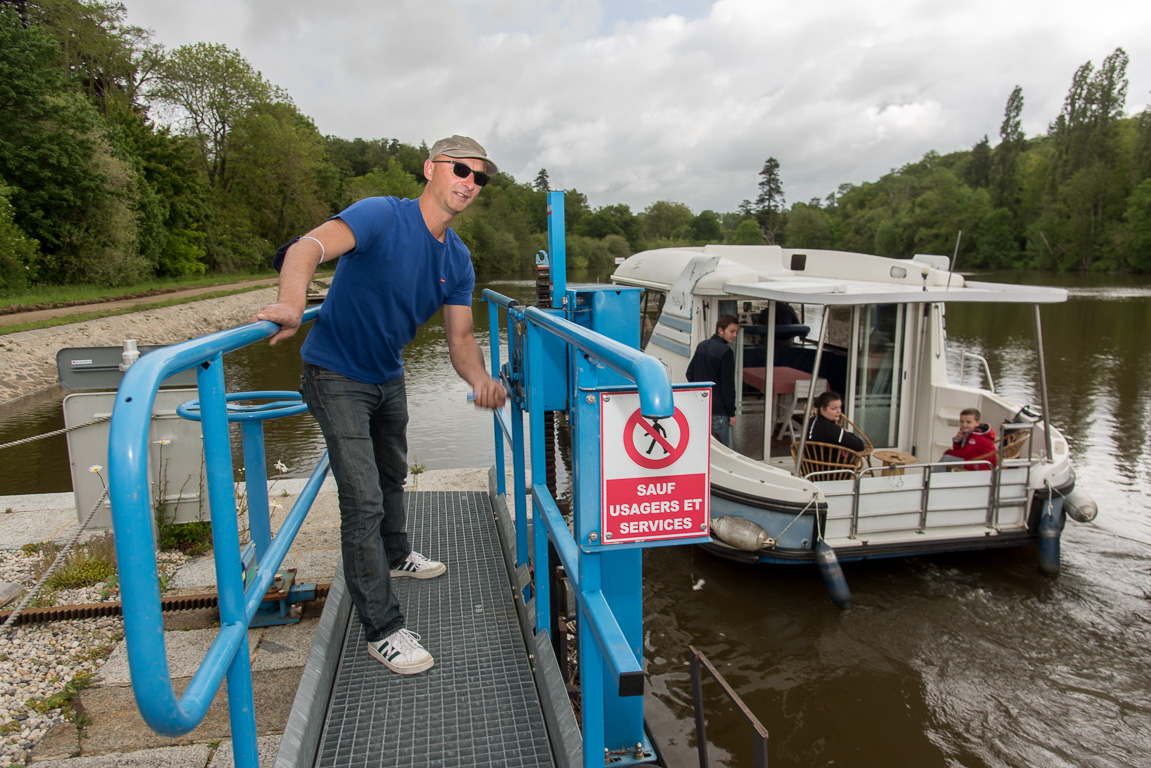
37	661
30	356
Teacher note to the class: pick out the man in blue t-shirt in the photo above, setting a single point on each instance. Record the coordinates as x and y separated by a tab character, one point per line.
400	264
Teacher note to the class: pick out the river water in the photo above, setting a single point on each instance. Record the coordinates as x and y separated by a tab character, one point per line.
955	660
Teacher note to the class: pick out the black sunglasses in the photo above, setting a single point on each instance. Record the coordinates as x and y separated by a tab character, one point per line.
463	171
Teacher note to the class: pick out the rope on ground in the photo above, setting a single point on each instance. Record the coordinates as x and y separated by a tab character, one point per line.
60	557
57	432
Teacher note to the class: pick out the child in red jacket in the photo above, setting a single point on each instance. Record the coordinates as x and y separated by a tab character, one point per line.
974	439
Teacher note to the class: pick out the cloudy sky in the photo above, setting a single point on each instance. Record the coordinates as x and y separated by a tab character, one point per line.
633	101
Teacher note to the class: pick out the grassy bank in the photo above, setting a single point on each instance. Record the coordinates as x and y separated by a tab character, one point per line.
97	313
47	297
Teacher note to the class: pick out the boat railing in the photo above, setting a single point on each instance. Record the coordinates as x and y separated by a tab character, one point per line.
986	368
132	517
928	495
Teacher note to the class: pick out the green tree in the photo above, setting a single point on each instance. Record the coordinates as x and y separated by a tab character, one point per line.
73	193
173	199
541	184
208	89
706	228
613	220
359	157
1084	132
1087	183
278	164
662	220
748	233
106	57
996	246
1141	160
769	204
575	208
392	180
978	172
18	252
1004	184
808	227
1136	230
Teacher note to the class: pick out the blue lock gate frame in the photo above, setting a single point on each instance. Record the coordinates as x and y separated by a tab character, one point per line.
560	359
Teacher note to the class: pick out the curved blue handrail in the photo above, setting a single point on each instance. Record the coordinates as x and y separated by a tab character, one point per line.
133	524
290	404
655	394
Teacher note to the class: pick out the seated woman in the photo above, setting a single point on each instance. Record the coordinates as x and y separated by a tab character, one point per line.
973	440
824	429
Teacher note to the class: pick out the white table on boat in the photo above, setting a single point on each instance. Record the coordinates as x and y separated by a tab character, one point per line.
893	461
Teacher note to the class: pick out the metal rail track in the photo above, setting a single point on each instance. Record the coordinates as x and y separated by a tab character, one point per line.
94	610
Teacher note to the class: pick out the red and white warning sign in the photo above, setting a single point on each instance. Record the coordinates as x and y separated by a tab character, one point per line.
655	471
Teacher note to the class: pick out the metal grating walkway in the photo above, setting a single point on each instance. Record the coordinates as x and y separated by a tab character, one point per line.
478	705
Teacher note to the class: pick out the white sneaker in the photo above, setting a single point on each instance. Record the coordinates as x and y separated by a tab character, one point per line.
419	567
401	652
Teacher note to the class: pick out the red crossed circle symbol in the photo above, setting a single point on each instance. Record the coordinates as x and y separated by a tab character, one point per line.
673	451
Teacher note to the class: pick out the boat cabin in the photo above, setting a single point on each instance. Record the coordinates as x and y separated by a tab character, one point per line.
871	326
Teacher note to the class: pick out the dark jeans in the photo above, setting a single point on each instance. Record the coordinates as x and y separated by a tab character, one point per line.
721	428
365	427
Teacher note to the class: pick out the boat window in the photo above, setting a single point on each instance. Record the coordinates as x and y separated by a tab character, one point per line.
839	328
650	307
877	359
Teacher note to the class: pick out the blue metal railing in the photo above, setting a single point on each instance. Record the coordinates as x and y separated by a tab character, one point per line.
135	546
606	650
556	364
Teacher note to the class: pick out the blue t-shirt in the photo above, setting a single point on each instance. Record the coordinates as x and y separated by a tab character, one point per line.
384	289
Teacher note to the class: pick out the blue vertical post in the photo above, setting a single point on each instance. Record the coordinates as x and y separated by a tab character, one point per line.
519	488
256	482
556	247
535	394
226	545
620	572
494	343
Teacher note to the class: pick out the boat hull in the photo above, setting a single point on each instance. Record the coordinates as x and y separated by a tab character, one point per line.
795	532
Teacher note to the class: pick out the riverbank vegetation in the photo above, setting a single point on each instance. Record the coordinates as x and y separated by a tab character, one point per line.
122	163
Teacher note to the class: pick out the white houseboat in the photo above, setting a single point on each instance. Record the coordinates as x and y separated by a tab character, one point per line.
871	329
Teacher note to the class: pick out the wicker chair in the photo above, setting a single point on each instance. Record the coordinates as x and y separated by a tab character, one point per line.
825	457
868	447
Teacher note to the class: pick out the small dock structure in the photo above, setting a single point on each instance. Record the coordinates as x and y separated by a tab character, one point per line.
497	621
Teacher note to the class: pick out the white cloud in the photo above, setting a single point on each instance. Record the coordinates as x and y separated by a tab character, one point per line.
633	102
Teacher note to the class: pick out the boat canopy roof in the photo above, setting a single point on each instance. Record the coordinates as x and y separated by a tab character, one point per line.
815	276
814	291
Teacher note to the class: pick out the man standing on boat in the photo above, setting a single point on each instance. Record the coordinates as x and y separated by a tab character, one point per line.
401	263
714	361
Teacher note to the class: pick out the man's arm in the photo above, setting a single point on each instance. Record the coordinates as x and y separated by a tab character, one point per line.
467	358
300	264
